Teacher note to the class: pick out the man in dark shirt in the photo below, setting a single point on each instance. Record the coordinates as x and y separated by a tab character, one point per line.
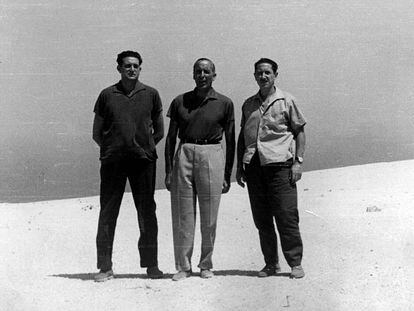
199	168
127	126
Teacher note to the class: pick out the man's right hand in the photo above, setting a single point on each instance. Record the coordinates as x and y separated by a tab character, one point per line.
168	181
240	177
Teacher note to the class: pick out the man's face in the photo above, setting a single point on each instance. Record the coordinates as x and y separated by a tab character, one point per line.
203	74
130	68
264	75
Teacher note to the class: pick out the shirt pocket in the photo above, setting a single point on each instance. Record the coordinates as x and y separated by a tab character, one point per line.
275	120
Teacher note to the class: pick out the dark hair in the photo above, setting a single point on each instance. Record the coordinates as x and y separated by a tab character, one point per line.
128	53
267	61
205	59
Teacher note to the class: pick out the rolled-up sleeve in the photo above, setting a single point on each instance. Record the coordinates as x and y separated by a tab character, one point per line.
296	118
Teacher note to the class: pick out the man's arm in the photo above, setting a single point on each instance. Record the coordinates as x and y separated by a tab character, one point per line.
97	130
157	119
296	170
230	149
158	125
170	143
240	176
300	142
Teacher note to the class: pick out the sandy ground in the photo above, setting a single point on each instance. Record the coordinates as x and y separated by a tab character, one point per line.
357	224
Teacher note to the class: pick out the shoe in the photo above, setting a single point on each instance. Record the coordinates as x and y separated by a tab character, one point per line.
269	270
206	274
297	272
181	275
103	276
154	273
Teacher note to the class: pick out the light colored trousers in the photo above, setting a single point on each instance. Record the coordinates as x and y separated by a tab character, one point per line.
198	171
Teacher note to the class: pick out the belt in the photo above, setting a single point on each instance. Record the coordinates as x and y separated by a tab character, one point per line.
200	141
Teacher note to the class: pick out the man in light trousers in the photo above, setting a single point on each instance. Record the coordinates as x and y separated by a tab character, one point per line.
198	168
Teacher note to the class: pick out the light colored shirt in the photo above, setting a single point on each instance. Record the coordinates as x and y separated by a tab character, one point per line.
270	127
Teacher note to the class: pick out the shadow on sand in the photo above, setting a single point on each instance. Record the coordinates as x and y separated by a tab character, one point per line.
90	276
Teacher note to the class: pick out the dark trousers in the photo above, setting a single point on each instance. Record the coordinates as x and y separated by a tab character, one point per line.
272	196
141	176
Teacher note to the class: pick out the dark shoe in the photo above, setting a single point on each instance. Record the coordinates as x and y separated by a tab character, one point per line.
206	274
103	276
154	273
297	272
269	270
181	275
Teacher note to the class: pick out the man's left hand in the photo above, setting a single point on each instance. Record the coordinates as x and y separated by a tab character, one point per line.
295	173
226	187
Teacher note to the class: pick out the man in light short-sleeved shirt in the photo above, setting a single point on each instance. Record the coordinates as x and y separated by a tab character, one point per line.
270	152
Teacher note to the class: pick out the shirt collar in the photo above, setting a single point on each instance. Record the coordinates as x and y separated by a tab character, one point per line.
212	94
138	87
278	94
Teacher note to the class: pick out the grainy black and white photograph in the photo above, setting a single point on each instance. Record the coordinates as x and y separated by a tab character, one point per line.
206	155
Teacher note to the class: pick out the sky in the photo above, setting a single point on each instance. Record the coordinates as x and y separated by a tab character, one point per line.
350	65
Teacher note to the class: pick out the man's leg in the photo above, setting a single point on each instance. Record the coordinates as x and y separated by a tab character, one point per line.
284	198
113	180
209	175
262	211
183	207
141	175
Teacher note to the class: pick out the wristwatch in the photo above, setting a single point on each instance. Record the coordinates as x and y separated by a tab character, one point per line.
299	159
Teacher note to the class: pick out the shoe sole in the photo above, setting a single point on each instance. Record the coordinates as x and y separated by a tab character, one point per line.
298	276
265	275
104	279
181	278
209	276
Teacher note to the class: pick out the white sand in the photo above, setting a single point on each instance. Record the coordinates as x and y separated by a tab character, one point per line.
353	259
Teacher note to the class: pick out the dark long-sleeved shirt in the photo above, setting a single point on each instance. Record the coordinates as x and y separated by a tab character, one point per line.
129	121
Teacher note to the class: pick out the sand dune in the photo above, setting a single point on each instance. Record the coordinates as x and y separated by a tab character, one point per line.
356	223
